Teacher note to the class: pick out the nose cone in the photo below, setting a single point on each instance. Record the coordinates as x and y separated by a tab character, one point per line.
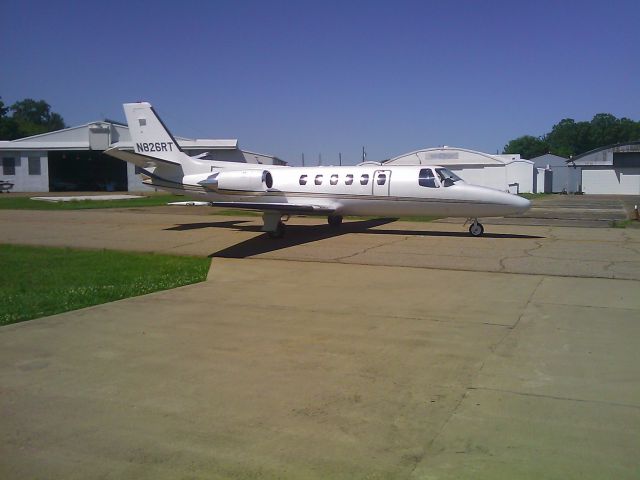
520	204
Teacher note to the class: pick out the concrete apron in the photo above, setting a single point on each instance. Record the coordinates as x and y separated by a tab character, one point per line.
293	369
580	252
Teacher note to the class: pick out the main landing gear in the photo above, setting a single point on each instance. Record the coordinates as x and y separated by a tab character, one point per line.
275	227
278	232
274	224
476	229
334	220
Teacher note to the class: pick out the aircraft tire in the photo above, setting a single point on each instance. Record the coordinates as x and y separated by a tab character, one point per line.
278	232
476	229
334	220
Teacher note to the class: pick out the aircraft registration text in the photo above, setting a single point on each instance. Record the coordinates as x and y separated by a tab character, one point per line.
154	147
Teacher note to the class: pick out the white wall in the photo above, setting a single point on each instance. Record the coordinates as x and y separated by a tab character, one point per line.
539	186
520	172
500	177
619	181
23	182
487	176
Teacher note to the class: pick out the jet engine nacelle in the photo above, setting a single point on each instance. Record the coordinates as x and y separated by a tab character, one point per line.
246	181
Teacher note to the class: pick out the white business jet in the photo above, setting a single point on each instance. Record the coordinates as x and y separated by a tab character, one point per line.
281	191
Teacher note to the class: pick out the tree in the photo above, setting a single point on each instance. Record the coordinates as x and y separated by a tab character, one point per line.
8	126
628	130
568	137
34	117
29	117
527	146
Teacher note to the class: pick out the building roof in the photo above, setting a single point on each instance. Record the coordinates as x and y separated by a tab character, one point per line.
549	159
79	138
604	155
453	156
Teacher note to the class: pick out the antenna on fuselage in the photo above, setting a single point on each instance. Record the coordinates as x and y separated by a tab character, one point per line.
340	158
303	159
364	154
319	159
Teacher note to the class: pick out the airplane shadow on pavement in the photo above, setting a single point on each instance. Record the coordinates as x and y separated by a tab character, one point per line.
301	234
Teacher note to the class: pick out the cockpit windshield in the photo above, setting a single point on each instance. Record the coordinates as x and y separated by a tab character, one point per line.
447	177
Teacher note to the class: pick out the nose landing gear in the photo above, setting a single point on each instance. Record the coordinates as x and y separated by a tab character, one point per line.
476	229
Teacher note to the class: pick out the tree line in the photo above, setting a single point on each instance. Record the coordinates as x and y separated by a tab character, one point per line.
569	138
27	117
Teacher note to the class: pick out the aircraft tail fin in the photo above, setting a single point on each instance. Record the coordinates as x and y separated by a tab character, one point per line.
150	136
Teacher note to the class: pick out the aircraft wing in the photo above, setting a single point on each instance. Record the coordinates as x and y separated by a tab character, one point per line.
277	207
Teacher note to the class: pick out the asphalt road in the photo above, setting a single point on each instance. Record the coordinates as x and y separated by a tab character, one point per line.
388	350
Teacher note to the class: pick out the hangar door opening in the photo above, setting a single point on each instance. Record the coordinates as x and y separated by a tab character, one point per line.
78	171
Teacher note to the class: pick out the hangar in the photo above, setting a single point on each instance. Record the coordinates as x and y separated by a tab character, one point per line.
614	169
506	172
555	175
72	159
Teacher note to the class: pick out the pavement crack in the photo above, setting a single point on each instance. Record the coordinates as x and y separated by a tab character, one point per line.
527	253
557	397
373	247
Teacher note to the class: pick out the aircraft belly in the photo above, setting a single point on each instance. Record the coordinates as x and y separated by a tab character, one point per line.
420	207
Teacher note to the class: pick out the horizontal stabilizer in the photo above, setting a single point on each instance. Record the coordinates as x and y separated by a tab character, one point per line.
142	161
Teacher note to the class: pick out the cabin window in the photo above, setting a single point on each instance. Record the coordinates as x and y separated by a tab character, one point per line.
348	179
334	179
318	180
364	179
447	177
303	179
382	178
426	178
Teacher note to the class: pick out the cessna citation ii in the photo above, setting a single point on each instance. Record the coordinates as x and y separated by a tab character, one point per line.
281	191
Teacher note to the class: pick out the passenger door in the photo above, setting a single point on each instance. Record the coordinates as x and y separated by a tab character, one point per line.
381	183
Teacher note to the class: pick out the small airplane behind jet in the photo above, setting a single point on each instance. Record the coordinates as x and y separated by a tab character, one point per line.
280	191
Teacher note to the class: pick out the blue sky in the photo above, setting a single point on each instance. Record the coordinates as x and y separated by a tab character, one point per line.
328	77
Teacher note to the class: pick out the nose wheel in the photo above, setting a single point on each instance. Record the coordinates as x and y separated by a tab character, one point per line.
476	229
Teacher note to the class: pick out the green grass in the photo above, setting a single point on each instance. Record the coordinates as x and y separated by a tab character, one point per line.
12	202
41	281
622	223
531	196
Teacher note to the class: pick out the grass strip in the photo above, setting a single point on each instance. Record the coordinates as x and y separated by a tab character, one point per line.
41	281
10	202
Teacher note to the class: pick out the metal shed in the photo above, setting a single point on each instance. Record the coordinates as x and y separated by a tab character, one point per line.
614	169
555	175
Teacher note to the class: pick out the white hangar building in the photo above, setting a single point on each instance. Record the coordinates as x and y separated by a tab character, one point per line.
502	172
72	159
614	169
